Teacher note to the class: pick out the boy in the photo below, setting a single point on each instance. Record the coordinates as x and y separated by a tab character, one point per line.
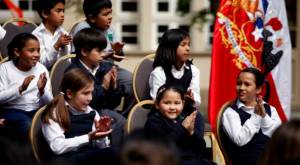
98	15
89	45
54	40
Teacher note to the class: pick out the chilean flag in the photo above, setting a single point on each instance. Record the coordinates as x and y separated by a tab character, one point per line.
250	33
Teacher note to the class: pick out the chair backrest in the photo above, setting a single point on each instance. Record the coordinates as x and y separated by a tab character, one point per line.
3	60
216	153
140	78
219	127
138	115
40	147
58	70
13	29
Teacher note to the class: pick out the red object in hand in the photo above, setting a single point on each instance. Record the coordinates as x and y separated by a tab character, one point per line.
104	124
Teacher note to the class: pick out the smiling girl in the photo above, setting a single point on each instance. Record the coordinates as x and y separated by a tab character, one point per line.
23	84
249	123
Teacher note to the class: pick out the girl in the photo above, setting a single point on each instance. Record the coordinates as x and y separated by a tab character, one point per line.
166	119
23	85
172	65
73	130
250	122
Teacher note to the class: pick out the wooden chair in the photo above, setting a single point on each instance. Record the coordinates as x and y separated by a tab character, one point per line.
140	78
13	29
138	115
58	70
40	147
219	127
3	60
212	144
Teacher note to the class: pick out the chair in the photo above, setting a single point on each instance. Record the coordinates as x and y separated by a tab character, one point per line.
216	153
40	147
140	78
58	70
219	127
138	115
13	29
3	60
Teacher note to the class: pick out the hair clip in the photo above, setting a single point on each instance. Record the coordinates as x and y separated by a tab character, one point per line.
62	93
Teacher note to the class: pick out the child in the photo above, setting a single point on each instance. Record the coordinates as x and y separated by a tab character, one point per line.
250	122
166	118
98	15
284	146
73	129
89	44
54	40
171	65
23	84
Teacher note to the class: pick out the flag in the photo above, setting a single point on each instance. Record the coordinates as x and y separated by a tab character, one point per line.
250	33
14	8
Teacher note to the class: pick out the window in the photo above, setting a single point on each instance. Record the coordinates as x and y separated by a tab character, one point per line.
129	6
28	5
160	30
129	34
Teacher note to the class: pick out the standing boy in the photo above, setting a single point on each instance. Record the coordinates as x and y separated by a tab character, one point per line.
98	15
54	40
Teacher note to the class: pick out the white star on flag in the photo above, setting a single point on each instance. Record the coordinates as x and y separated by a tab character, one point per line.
257	33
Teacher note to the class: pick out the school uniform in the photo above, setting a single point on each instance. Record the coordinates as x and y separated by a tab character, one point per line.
190	148
124	76
47	40
74	145
104	101
246	133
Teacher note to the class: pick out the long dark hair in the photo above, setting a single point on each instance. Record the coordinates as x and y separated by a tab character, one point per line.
166	52
73	80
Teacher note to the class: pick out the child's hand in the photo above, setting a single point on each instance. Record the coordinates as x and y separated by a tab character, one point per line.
103	124
42	83
2	122
189	122
106	80
189	96
62	41
114	76
117	47
259	108
25	84
93	135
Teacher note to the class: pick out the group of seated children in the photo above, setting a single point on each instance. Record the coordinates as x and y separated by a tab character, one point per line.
81	125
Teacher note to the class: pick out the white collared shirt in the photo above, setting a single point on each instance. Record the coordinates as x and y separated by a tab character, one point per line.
242	134
2	32
59	144
158	78
49	55
92	71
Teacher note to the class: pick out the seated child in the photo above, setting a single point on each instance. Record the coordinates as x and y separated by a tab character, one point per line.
166	118
73	130
89	44
23	84
249	123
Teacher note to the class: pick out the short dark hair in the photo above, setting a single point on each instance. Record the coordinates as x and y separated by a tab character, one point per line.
46	6
93	7
88	39
259	76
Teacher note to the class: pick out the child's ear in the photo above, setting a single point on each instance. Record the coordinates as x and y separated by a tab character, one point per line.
16	52
44	14
84	52
258	90
156	105
69	94
91	18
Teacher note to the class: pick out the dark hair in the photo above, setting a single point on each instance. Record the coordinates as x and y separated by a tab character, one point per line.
94	7
142	147
166	87
46	6
73	80
284	146
166	52
88	39
259	80
18	42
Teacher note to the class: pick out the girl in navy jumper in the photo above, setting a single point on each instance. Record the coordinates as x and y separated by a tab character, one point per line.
249	123
73	130
166	118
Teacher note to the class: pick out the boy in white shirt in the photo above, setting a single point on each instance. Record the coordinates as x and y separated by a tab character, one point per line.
54	40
